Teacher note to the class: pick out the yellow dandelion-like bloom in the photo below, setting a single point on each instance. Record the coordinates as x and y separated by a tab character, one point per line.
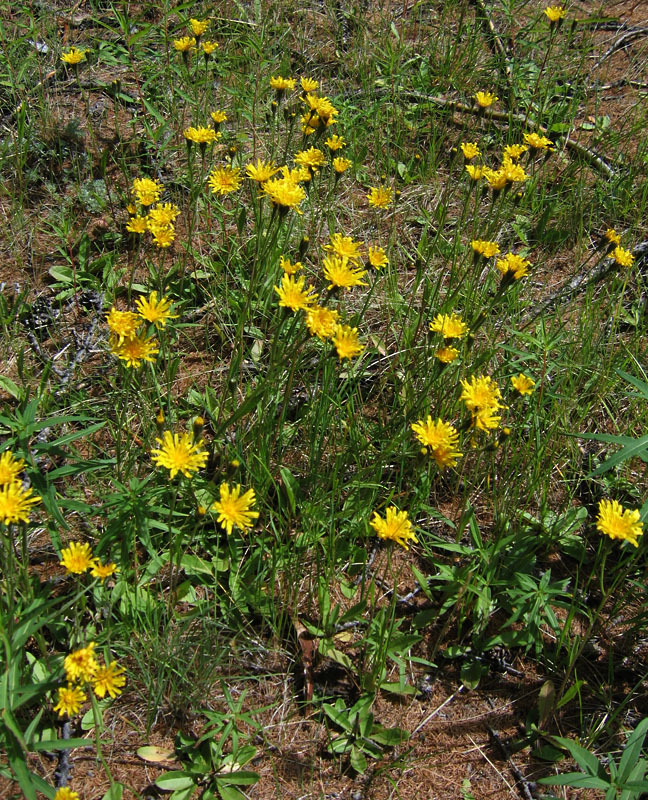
218	116
395	526
341	165
513	266
185	44
10	468
619	523
284	193
122	324
321	322
103	571
313	158
450	326
342	274
447	355
163	215
380	196
485	99
480	393
81	665
156	311
612	236
555	13
309	84
147	191
136	350
623	257
514	150
292	294
179	453
486	419
470	150
262	171
485	248
64	793
440	439
522	384
377	257
298	175
280	84
15	503
70	700
345	247
209	47
198	26
163	235
201	135
224	180
537	142
335	142
321	113
475	171
288	266
76	558
346	341
234	508
514	172
74	56
109	680
137	224
496	178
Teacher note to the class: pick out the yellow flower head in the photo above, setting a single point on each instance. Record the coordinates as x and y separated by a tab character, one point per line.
623	257
512	171
612	236
74	56
234	508
470	150
321	113
201	135
81	664
15	503
156	311
292	294
309	84
284	193
515	150
198	26
179	454
102	571
380	196
288	266
163	215
342	274
321	321
280	84
224	180
70	700
475	172
440	439
122	324
262	171
377	257
312	158
341	165
10	468
163	235
447	355
481	393
298	175
537	142
396	526
485	99
450	326
555	13
486	419
209	47
218	116
185	44
619	523
76	558
136	350
522	384
345	247
109	680
485	248
64	793
147	191
513	267
347	342
496	178
137	224
335	142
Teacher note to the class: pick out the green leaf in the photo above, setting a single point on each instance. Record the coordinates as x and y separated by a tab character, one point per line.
358	760
576	779
115	792
243	777
471	673
581	756
60	744
229	792
10	387
62	273
632	751
176	779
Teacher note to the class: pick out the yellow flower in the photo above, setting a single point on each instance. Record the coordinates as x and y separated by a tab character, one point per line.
179	454
154	310
623	257
219	116
66	794
470	150
522	384
136	350
396	526
137	224
103	571
346	341
262	171
15	503
10	468
475	172
223	180
284	193
440	438
209	47
341	274
485	248
292	294
515	150
147	191
282	84
109	680
486	419
312	158
288	267
341	165
512	171
321	113
450	326
74	56
612	236
298	175
309	84
163	235
555	13
345	247
485	99
481	393
76	558
496	178
185	44
513	267
537	142
234	508
198	26
335	142
380	196
81	664
378	257
619	523
321	321
70	700
447	354
122	324
163	215
201	135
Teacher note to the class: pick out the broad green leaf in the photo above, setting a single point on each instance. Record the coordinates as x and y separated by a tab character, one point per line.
176	779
